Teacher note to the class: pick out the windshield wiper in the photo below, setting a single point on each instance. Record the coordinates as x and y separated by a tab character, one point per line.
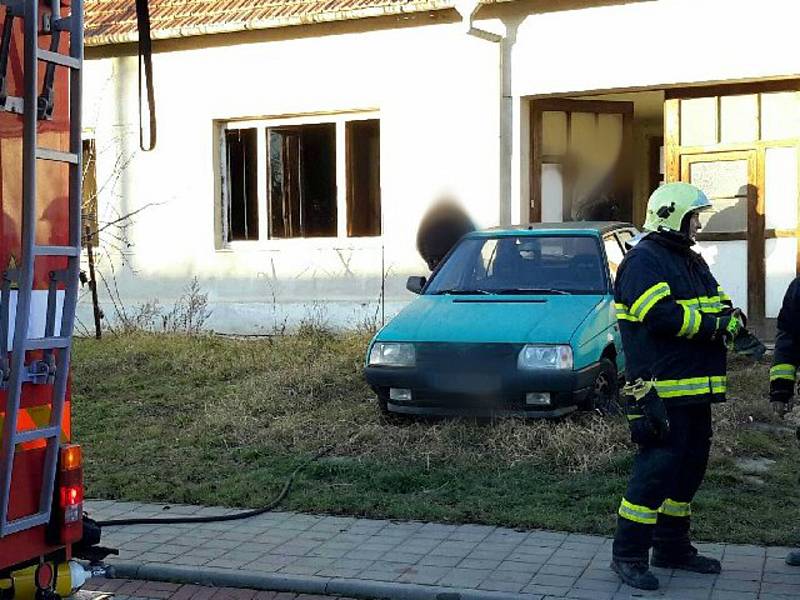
456	292
533	291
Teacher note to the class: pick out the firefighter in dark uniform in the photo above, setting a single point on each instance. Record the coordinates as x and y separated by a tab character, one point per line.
782	375
676	323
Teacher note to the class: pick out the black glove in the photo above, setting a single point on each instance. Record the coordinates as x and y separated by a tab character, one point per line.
747	344
647	415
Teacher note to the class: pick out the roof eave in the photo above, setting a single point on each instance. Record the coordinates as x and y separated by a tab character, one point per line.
213	29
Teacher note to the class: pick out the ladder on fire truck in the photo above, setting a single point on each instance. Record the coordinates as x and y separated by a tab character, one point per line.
56	344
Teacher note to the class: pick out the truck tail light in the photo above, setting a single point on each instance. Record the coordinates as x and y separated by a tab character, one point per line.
70	495
71	458
72	502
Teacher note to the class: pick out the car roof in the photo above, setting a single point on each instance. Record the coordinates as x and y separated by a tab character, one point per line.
581	227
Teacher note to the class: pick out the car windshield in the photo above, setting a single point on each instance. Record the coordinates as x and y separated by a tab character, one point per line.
554	264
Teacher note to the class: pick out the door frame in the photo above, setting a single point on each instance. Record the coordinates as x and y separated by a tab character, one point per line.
567	105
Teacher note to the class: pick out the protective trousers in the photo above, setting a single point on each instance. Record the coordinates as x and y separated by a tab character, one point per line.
656	509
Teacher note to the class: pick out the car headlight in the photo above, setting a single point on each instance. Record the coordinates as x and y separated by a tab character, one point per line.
545	357
392	354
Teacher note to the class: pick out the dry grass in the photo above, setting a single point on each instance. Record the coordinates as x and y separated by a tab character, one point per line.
223	420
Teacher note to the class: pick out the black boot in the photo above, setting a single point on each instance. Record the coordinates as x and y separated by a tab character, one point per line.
635	574
793	558
692	561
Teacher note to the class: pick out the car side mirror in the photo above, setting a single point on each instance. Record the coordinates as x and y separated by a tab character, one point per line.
415	284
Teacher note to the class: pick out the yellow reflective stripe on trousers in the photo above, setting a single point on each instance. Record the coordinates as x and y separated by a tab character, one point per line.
782	371
719	384
692	386
623	314
648	300
691	322
636	513
673	508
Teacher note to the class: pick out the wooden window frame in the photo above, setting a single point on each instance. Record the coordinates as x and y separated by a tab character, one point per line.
673	157
350	165
754	232
90	220
654	144
340	119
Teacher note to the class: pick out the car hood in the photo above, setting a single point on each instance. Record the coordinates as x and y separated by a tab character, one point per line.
549	319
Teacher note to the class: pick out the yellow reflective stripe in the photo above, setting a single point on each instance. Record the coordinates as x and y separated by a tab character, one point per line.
697	320
723	296
719	384
675	509
687	319
623	313
637	513
40	415
782	371
648	300
706	304
691	322
691	386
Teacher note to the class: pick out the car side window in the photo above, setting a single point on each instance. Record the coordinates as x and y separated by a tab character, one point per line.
614	254
624	236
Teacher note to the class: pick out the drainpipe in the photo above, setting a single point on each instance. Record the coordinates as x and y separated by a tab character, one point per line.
468	9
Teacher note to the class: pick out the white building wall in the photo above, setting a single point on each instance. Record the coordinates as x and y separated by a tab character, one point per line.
641	44
661	43
436	92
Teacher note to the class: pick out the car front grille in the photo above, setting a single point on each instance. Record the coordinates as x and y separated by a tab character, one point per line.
461	369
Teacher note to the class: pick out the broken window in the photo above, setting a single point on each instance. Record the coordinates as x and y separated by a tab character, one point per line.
89	199
363	178
293	180
302	181
240	188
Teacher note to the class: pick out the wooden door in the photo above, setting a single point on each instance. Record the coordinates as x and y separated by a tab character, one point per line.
745	135
732	236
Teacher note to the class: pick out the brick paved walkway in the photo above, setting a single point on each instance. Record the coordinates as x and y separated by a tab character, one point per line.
126	589
529	565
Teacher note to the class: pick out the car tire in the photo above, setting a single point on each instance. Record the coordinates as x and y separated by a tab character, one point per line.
604	395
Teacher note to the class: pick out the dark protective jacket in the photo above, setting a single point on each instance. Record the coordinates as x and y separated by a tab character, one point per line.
787	346
668	307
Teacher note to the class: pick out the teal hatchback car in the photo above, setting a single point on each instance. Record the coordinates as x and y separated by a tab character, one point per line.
515	321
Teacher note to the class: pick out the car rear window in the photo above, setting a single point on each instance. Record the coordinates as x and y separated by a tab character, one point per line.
522	264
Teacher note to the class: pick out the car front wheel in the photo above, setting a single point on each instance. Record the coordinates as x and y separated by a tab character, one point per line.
604	395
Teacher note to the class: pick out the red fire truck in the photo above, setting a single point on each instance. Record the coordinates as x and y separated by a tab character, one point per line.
41	479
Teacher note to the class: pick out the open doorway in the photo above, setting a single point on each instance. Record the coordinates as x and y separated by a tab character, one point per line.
601	156
596	157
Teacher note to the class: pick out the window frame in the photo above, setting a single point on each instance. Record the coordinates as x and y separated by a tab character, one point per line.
340	120
90	205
